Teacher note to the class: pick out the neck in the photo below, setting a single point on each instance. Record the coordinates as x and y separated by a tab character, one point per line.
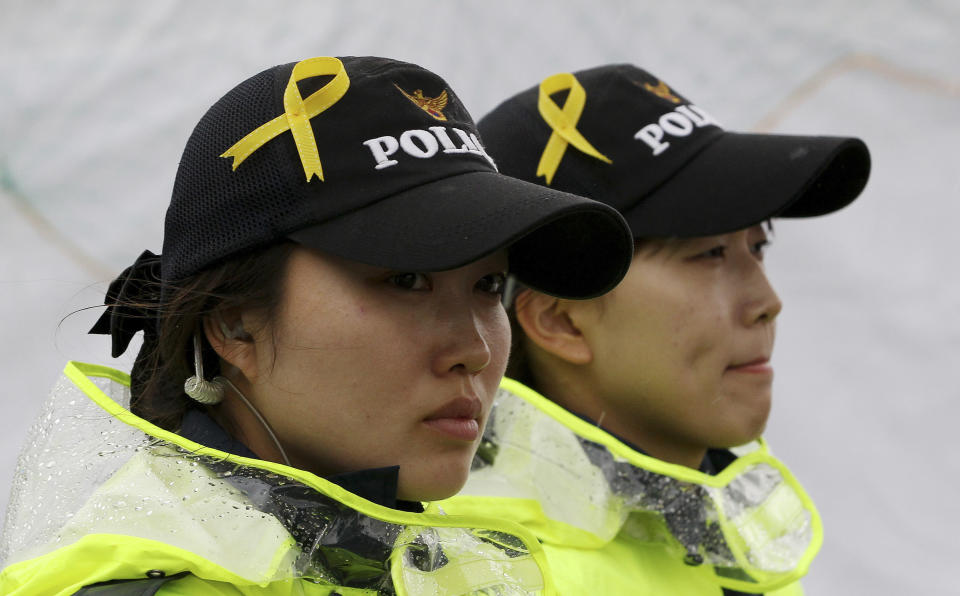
239	417
628	428
577	394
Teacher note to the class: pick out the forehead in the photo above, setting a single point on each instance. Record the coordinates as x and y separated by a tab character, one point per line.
311	263
659	243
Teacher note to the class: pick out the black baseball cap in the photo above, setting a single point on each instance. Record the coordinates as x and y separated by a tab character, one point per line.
629	140
375	160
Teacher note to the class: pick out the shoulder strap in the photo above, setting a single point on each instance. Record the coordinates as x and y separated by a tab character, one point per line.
128	587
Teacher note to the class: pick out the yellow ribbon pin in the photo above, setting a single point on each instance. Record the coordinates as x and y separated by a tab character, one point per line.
563	122
297	115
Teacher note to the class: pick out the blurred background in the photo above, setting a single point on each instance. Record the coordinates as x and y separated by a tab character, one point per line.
97	100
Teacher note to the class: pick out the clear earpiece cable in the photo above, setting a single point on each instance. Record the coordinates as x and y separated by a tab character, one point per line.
243	398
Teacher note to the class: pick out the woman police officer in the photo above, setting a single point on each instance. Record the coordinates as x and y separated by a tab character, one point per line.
617	453
323	335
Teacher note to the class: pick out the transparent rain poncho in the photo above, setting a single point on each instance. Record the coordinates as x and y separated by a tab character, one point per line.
92	470
752	522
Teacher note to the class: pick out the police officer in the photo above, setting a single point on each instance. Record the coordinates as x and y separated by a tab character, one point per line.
633	450
323	336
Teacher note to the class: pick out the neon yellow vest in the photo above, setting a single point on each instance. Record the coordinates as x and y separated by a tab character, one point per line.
615	521
101	494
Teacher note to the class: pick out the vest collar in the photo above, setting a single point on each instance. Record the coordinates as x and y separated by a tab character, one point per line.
752	521
95	479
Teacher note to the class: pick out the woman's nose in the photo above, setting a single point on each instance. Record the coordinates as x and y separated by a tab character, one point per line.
763	304
465	348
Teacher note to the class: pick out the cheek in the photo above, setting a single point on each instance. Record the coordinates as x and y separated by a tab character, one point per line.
318	343
500	337
703	334
662	348
497	335
646	331
696	324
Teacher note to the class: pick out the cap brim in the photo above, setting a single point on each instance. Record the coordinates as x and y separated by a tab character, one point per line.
743	179
558	243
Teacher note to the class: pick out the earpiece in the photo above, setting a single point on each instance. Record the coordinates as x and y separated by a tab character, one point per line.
198	388
238	332
211	392
206	392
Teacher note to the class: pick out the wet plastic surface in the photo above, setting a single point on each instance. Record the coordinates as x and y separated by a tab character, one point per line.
85	472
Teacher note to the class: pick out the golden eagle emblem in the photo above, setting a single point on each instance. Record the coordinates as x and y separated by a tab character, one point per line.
661	90
431	105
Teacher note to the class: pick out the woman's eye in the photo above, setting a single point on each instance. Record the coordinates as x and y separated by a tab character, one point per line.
760	248
493	283
717	252
410	281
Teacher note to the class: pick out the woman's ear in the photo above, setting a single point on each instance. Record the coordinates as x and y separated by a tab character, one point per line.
230	340
546	321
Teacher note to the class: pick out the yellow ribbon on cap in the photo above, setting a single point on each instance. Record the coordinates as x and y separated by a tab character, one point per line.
563	122
297	115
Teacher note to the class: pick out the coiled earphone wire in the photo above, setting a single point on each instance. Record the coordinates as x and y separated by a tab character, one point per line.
210	393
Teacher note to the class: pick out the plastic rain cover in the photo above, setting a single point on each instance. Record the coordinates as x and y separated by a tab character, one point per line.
753	522
84	471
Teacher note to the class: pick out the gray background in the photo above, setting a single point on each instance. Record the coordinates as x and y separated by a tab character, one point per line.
98	98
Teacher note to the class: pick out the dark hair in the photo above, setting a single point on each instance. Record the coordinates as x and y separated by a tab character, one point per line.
253	280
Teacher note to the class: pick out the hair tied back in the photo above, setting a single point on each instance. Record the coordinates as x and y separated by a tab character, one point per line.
133	303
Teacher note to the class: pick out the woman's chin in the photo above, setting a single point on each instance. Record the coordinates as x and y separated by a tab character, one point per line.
750	430
431	484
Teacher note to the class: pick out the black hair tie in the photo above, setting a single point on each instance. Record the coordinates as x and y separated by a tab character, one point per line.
133	304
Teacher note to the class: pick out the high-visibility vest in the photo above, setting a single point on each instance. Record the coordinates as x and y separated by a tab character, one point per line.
615	521
102	495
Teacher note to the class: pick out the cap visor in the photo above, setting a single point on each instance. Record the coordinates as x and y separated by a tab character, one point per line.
558	243
743	179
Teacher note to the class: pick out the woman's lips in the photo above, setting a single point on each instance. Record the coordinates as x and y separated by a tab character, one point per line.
756	366
464	429
459	418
